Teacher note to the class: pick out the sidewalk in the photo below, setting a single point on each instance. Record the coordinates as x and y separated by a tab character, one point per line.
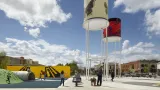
85	85
117	85
136	79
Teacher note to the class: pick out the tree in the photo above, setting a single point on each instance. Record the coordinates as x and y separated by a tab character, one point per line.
2	53
59	64
132	70
146	69
73	66
4	60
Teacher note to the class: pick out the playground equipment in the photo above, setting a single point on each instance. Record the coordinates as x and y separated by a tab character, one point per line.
95	18
8	77
96	14
24	75
114	30
113	34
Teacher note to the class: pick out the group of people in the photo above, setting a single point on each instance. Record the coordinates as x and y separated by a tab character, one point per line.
99	76
77	75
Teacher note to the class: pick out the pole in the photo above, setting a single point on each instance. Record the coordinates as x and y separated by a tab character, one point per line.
115	61
104	62
88	53
106	53
101	45
90	67
120	59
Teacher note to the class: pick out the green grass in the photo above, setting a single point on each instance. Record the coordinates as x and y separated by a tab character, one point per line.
13	78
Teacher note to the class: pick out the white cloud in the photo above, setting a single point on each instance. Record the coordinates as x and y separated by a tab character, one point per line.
152	20
140	51
136	52
40	50
133	6
140	48
125	44
34	13
34	32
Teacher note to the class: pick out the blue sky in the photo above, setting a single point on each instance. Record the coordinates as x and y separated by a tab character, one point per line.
71	34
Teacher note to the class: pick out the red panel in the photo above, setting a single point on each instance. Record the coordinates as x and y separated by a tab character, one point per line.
114	28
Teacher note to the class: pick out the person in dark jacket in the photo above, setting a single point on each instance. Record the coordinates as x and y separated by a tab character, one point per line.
112	76
99	74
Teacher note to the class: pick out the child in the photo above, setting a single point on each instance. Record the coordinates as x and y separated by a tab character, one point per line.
62	77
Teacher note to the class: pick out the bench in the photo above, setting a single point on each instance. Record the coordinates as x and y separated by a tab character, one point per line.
76	80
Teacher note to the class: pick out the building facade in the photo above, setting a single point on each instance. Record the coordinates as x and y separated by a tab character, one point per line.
14	61
140	66
111	67
22	61
35	63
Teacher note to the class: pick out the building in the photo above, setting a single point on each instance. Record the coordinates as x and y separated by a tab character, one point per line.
111	67
140	66
14	61
35	63
22	61
131	65
29	61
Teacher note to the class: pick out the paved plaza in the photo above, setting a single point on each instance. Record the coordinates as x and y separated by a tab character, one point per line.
118	84
125	83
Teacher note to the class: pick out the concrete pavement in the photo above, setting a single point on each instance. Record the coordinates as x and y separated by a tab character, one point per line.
118	84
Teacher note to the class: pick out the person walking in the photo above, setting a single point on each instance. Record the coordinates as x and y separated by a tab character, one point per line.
112	76
99	75
62	77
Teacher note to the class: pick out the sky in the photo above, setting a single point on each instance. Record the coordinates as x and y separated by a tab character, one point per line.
51	32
